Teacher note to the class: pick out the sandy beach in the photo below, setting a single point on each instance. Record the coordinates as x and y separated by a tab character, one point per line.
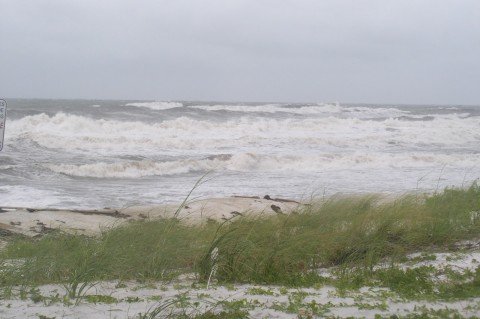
189	296
184	296
37	221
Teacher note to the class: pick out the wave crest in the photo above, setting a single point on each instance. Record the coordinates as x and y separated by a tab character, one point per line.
251	162
158	106
190	136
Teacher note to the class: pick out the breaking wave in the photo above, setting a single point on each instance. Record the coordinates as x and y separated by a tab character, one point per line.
79	133
309	109
247	162
156	105
272	108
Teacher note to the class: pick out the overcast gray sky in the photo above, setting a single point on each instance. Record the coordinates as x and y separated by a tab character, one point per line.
403	51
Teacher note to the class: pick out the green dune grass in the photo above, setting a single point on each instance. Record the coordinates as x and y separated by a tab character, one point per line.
283	249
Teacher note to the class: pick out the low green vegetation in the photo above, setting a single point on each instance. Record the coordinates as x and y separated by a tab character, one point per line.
182	307
429	313
260	291
414	283
286	249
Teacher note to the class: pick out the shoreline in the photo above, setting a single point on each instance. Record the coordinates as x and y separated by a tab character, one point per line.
34	222
38	221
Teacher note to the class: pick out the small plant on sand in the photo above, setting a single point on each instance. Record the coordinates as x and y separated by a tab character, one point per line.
100	299
260	291
161	310
224	314
36	296
78	284
236	305
304	310
173	309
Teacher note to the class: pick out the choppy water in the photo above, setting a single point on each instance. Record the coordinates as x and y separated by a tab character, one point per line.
85	153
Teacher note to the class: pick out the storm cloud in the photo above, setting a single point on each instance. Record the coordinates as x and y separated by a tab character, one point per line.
374	51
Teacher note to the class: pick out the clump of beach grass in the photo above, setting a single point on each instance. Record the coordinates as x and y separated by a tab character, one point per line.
156	250
348	231
287	249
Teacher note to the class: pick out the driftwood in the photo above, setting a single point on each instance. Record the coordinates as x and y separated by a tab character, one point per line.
239	196
107	212
267	197
281	200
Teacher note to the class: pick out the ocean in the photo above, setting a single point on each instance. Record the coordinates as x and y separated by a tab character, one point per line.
99	153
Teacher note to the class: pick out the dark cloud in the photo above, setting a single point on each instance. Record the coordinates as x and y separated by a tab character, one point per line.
412	51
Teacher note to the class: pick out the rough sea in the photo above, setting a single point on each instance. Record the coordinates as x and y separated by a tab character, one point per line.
95	154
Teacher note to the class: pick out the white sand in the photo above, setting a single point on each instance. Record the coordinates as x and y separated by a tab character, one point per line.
132	298
138	298
20	220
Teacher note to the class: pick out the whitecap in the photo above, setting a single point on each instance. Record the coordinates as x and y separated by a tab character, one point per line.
189	136
252	162
157	105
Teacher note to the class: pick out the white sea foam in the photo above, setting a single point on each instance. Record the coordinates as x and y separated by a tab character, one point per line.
364	112
78	133
133	169
246	162
270	108
318	109
26	196
309	109
156	105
